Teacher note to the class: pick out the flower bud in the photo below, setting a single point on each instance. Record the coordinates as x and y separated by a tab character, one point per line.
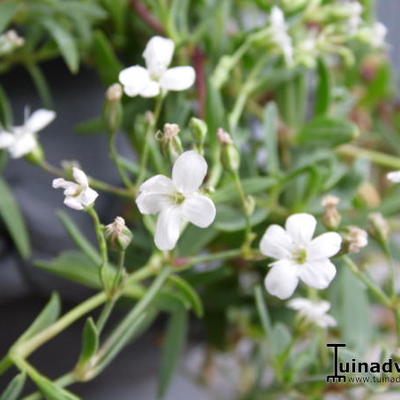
332	217
118	234
230	156
113	108
379	227
9	41
199	131
171	143
355	239
36	156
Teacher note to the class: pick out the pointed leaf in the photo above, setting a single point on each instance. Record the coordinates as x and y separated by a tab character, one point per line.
271	121
323	95
13	219
189	293
7	11
51	391
14	388
90	342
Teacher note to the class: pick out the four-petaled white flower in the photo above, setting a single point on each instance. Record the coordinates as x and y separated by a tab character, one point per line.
280	36
22	139
156	77
177	200
314	312
299	257
78	194
393	176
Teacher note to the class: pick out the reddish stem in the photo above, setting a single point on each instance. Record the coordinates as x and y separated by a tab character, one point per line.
201	85
148	16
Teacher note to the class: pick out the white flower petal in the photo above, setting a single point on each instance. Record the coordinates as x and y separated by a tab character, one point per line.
39	120
73	202
276	243
72	189
153	203
317	274
301	227
80	177
158	184
282	279
189	171
199	210
299	303
158	55
324	246
6	139
88	197
326	321
134	79
152	89
60	183
393	176
168	229
178	78
23	145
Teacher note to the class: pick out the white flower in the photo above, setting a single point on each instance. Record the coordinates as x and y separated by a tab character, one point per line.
149	81
280	34
314	312
393	176
374	35
78	194
22	139
177	200
298	255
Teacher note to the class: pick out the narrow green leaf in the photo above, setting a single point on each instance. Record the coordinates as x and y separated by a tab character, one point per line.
90	342
172	350
231	219
6	116
78	238
106	61
51	391
323	95
280	338
14	388
47	317
41	85
13	219
189	293
271	121
327	132
263	311
75	266
65	41
7	11
91	126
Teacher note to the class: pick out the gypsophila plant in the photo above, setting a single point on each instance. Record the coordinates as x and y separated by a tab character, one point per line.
261	205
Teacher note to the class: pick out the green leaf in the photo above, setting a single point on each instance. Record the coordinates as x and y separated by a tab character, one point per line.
271	121
230	219
65	41
172	350
280	338
6	116
90	342
229	192
75	266
327	132
47	317
195	239
106	61
13	219
41	85
91	126
7	11
50	390
78	238
14	388
263	311
189	293
323	95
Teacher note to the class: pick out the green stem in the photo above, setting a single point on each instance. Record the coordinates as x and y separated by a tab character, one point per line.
149	145
224	255
62	381
243	199
104	315
379	294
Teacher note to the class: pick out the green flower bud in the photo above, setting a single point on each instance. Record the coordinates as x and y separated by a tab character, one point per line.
230	156
199	130
36	156
113	111
171	143
118	234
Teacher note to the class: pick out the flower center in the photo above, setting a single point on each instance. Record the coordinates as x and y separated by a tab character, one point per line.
179	197
300	255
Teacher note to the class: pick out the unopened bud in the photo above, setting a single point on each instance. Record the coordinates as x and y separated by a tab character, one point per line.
199	130
118	234
230	156
36	156
113	108
171	143
331	217
379	227
10	41
355	239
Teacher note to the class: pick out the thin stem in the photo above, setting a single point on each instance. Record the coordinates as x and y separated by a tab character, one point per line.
243	199
102	246
149	147
378	292
224	255
62	381
105	315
